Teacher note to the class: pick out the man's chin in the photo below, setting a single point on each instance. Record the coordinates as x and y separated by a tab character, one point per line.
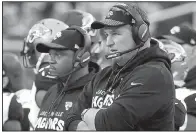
53	73
116	60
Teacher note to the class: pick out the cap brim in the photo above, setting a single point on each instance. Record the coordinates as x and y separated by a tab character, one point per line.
173	38
45	47
106	23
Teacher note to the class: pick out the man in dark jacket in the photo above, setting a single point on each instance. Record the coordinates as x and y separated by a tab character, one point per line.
137	91
32	58
71	73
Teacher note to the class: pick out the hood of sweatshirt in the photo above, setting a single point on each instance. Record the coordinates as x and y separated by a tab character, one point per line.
153	53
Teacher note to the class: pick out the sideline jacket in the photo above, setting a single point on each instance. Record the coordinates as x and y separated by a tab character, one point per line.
43	84
139	97
58	100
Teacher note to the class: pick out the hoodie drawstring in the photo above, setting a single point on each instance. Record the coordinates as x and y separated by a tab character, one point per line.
60	96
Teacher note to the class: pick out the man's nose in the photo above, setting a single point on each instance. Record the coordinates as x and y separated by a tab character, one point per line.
109	42
50	59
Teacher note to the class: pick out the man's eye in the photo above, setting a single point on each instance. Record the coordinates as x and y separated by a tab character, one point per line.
58	55
114	33
106	34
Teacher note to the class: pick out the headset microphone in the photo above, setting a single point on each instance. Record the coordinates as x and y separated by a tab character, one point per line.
117	54
72	71
76	68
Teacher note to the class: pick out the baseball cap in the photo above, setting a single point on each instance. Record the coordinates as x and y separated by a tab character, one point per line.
119	17
73	17
78	18
68	39
182	34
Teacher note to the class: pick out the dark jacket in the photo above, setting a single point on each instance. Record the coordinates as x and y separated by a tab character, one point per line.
180	114
138	97
190	80
190	83
57	102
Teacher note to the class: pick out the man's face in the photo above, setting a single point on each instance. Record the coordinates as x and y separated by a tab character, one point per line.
179	70
191	55
118	40
99	49
61	62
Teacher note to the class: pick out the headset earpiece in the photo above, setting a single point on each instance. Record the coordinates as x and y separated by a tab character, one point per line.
142	32
82	55
140	29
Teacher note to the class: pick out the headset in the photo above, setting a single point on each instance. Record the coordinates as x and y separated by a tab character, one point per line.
140	29
83	55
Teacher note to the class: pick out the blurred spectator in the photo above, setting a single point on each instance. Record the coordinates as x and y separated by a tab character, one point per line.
186	36
14	94
99	50
14	72
59	8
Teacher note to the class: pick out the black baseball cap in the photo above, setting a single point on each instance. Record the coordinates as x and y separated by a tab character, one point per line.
182	34
68	39
119	17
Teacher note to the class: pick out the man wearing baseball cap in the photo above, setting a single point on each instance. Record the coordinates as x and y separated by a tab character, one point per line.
69	52
137	91
14	110
84	20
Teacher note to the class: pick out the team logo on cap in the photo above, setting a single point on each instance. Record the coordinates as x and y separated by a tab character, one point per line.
175	30
110	13
58	35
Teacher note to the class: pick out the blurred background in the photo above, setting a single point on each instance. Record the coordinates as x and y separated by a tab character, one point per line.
19	17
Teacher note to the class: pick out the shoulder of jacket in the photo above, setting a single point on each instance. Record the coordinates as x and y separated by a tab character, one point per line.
51	90
148	68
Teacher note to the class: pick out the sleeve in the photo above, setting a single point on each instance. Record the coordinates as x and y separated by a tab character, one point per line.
15	110
83	102
25	123
135	101
180	113
12	125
